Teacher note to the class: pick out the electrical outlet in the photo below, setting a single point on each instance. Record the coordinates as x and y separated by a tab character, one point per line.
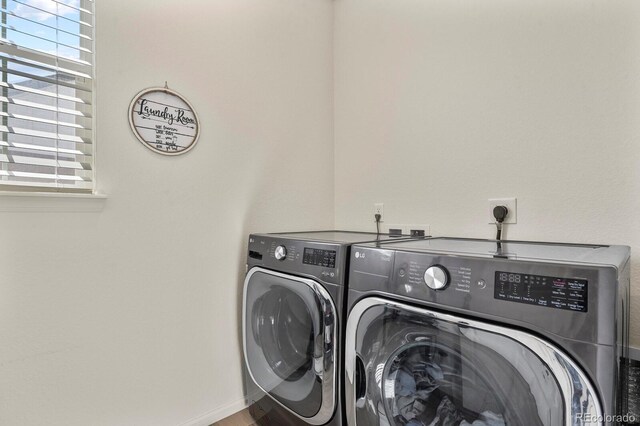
510	203
378	208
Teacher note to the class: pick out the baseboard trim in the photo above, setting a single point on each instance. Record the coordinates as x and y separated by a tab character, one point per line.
217	414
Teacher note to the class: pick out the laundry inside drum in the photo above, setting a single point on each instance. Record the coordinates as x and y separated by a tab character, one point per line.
429	385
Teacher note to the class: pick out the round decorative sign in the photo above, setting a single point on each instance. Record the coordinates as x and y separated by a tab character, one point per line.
164	121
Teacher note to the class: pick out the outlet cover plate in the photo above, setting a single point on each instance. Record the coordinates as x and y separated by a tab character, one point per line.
378	208
510	203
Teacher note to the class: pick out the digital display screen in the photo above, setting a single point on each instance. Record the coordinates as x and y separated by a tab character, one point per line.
319	257
553	292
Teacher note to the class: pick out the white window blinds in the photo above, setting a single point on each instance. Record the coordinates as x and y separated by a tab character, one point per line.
46	81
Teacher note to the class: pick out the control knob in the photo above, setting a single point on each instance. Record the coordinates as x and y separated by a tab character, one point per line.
436	277
281	253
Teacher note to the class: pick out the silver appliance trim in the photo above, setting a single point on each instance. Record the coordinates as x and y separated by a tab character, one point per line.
558	362
326	343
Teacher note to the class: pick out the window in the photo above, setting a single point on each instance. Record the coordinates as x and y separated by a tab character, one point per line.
46	95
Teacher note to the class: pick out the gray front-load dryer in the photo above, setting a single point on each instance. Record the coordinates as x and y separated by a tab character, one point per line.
293	323
460	332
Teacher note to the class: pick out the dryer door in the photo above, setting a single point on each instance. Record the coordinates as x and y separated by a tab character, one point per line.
412	366
289	334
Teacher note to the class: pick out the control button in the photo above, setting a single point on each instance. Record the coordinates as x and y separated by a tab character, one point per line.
436	277
482	284
402	272
281	253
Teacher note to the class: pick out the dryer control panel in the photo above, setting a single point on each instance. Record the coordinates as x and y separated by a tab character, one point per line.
323	261
319	257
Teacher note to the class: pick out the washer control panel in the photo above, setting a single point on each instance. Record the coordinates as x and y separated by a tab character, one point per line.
436	277
432	273
573	301
554	292
453	280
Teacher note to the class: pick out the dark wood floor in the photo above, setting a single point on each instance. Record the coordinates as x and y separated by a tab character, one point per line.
242	418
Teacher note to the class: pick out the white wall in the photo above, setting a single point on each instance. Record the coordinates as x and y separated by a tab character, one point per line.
129	316
441	105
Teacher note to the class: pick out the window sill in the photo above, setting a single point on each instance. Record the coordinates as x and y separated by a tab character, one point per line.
56	202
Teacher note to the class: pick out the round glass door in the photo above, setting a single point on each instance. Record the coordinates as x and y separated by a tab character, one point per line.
283	327
289	329
408	366
432	380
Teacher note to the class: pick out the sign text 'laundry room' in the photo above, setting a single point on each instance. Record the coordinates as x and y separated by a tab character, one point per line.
164	121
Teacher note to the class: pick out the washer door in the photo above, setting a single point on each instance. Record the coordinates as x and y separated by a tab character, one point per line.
289	335
415	367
